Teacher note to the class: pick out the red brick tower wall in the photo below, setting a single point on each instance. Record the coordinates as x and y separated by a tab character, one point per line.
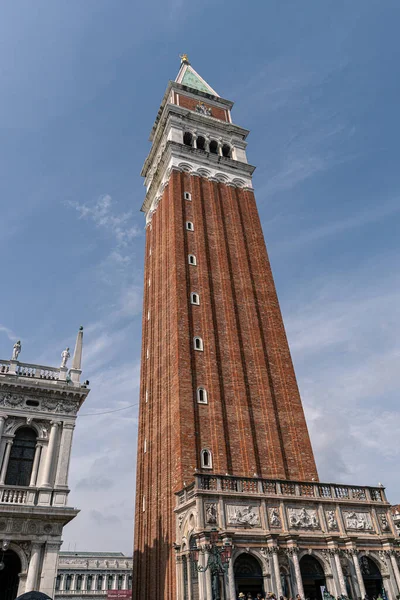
254	421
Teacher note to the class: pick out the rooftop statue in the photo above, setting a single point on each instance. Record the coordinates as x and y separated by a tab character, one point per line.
16	350
65	355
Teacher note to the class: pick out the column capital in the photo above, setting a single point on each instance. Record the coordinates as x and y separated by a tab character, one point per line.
55	424
3	417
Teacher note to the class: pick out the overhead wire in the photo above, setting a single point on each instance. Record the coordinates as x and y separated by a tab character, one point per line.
107	412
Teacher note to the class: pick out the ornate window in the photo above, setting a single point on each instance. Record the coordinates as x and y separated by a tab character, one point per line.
192	260
21	457
58	581
206	459
187	195
99	582
68	580
79	582
194	298
202	395
187	138
189	226
120	582
89	582
130	582
198	344
109	582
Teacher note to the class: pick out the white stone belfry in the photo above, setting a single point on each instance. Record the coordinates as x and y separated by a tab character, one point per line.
38	410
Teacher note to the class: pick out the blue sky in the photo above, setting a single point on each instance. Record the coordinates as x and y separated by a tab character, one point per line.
317	85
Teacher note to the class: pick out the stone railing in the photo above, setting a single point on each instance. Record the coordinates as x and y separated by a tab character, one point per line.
27	370
13	495
265	487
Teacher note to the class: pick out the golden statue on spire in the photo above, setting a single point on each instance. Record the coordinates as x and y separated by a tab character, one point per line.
184	59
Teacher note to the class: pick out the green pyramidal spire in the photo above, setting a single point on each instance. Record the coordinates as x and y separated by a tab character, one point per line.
189	77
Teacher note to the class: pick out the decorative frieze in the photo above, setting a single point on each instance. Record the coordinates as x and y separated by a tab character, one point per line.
331	520
302	518
243	515
383	521
274	517
358	521
211	513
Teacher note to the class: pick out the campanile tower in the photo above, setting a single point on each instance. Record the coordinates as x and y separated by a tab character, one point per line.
218	396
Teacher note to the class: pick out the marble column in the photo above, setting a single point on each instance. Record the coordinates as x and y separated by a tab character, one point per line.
104	584
231	581
6	458
35	467
339	570
395	568
84	577
125	582
50	455
62	582
3	419
64	455
114	583
299	581
94	581
33	569
278	583
73	582
359	575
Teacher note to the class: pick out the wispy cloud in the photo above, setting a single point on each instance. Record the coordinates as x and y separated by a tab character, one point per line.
101	213
371	215
345	344
8	332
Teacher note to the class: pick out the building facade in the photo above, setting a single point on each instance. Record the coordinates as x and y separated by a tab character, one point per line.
223	442
396	517
38	410
93	575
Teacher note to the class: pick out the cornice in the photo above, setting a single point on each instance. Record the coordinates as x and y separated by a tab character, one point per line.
197	162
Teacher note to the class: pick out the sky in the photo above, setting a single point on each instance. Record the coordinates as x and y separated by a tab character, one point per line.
317	84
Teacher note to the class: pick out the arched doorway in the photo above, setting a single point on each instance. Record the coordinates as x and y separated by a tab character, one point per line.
248	575
313	577
372	576
9	576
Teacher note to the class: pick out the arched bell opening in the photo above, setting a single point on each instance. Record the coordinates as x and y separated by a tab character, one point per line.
313	577
9	575
372	576
248	575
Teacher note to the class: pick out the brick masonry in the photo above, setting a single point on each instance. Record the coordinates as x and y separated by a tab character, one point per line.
254	421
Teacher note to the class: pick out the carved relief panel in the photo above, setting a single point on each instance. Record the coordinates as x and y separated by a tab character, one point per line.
243	514
274	517
357	521
303	518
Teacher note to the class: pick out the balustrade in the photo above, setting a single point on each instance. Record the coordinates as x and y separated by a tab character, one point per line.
31	371
13	496
265	487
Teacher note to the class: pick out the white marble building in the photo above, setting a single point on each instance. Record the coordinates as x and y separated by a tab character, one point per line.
38	410
396	517
92	574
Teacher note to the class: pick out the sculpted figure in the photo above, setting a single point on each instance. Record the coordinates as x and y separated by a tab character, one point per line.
65	355
16	350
